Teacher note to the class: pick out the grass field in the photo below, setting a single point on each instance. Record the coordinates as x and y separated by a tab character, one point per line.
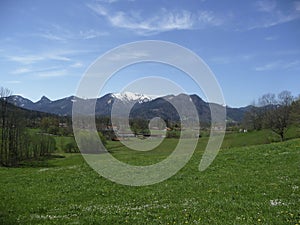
244	185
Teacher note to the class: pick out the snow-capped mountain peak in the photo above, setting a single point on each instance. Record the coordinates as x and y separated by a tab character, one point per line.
130	97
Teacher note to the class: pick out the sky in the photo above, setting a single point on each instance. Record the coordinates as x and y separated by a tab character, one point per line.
252	47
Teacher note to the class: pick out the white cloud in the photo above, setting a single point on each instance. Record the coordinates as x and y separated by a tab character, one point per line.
120	56
12	82
77	65
271	38
287	52
279	65
21	71
31	59
232	59
57	57
276	19
108	1
297	5
51	37
272	15
99	9
266	5
90	34
27	59
164	20
38	71
222	60
292	64
268	66
53	73
208	18
182	20
55	32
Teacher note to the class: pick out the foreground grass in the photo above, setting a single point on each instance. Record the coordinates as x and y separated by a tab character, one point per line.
244	185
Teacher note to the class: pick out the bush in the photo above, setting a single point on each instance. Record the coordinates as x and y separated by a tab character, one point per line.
102	138
88	142
71	147
173	134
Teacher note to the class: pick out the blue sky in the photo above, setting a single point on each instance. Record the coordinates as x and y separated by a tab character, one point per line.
252	47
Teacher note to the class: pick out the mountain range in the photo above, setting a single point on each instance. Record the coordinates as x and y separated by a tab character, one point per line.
136	105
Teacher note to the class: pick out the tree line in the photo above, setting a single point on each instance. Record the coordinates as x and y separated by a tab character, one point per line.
276	113
16	142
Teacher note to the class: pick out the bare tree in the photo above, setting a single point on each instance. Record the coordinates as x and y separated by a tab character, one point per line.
295	112
267	100
277	112
285	98
16	143
253	118
4	93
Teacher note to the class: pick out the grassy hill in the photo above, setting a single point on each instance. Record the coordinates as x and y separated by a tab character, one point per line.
244	185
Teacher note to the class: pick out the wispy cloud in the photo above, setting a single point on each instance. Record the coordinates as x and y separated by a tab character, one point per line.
272	15
13	82
265	5
277	65
297	5
268	66
164	20
292	64
125	55
271	38
288	52
232	59
90	34
58	57
55	32
31	59
51	36
36	71
26	59
221	60
21	71
108	1
76	65
53	73
208	18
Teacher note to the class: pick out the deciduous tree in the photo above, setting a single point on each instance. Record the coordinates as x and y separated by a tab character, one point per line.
276	112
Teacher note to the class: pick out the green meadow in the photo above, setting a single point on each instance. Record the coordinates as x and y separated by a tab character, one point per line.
249	182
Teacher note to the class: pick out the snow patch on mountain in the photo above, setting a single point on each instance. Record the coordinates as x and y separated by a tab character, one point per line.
130	97
18	100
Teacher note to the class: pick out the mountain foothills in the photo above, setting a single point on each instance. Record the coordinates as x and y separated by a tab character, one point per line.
29	130
139	106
